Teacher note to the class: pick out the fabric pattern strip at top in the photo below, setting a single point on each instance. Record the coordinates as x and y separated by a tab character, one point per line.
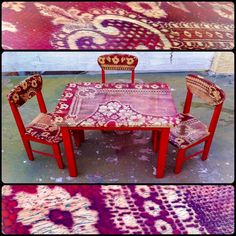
118	25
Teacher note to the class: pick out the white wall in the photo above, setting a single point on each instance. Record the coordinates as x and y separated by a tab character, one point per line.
87	61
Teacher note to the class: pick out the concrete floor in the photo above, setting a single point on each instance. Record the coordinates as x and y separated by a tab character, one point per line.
118	157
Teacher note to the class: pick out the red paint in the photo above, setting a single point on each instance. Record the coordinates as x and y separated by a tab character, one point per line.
161	160
69	151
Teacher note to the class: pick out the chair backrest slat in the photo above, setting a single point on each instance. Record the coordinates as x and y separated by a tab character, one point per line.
21	93
27	89
205	89
123	62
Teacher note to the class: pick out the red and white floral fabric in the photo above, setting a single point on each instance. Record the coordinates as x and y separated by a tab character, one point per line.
188	131
120	25
117	62
205	89
116	105
27	89
42	128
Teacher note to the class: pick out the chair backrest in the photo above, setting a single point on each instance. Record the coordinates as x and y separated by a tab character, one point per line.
21	93
24	91
207	91
124	62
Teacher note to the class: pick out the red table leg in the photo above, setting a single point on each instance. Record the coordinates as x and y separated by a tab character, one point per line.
66	136
161	160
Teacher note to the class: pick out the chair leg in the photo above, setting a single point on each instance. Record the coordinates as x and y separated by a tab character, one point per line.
57	153
28	149
207	147
179	161
158	140
77	137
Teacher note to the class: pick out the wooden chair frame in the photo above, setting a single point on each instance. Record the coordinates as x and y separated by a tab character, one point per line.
181	157
106	63
26	138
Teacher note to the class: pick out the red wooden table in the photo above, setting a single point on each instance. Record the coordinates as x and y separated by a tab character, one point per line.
116	106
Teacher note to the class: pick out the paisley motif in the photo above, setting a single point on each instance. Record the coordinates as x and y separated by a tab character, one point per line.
120	25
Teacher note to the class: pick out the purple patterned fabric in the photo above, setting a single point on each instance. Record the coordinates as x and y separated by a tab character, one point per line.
117	209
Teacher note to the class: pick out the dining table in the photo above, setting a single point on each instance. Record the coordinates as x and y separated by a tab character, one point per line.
145	106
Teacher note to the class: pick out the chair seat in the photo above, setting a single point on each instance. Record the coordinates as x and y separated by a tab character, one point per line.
188	131
42	128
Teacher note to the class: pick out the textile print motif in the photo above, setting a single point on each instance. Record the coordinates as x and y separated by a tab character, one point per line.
188	131
116	105
205	89
42	128
118	25
25	90
115	209
117	62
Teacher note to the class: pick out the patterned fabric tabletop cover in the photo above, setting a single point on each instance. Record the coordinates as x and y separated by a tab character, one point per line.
117	209
118	25
140	105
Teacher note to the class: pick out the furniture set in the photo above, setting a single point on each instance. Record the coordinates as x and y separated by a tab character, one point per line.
118	106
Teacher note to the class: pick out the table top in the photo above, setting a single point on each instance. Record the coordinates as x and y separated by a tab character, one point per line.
139	105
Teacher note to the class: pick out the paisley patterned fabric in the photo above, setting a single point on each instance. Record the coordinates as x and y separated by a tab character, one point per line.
42	128
118	25
205	89
117	62
188	131
116	209
116	105
27	89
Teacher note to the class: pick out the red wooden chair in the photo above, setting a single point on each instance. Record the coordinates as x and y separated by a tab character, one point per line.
40	129
191	131
117	62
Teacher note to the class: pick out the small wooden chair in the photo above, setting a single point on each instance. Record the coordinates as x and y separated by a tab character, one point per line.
191	131
117	62
40	129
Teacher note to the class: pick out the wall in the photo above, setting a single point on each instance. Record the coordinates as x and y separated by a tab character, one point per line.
223	62
87	61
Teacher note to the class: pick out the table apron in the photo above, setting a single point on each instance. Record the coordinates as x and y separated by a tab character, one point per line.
116	128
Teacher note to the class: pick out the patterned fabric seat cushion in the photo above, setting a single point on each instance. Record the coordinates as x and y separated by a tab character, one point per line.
42	128
188	131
